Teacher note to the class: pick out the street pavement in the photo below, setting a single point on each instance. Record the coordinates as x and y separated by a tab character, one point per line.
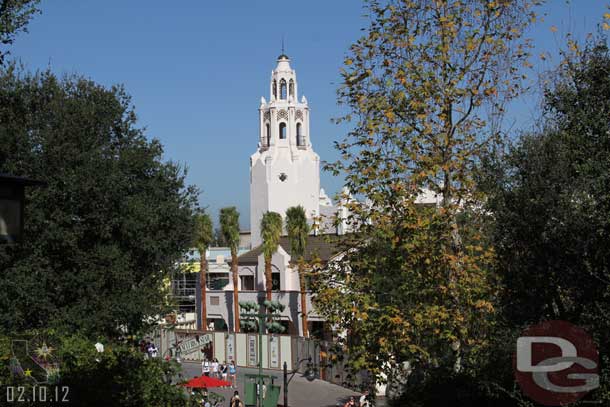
301	393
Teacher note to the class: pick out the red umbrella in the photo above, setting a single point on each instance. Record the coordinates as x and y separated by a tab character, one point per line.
206	382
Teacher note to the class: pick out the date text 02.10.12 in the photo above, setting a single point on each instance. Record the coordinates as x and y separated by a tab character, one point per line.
37	393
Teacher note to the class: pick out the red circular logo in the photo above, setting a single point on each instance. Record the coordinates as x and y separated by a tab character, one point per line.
556	363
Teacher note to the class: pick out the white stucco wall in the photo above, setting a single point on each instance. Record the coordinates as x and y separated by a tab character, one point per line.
300	184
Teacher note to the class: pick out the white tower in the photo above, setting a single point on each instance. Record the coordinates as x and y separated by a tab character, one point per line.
284	171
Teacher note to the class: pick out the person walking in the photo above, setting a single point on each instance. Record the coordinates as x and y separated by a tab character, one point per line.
224	368
205	367
215	369
350	403
235	400
233	374
364	399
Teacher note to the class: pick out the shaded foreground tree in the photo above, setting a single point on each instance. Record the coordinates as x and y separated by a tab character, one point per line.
120	375
271	230
551	201
298	230
112	221
14	17
229	225
426	86
204	236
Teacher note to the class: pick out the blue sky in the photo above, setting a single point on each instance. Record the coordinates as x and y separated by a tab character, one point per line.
196	70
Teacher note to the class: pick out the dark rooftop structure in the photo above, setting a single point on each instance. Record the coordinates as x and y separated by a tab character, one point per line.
323	247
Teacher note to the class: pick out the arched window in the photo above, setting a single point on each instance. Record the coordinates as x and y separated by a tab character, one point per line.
291	88
274	89
283	89
300	140
282	131
268	135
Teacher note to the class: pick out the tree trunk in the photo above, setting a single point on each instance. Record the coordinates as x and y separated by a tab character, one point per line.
268	278
203	270
235	289
303	299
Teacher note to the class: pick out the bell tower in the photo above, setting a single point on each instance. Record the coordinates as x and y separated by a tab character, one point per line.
284	171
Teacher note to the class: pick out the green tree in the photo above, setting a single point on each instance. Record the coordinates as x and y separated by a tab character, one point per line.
112	221
298	230
204	236
14	17
271	230
229	224
121	375
551	202
425	86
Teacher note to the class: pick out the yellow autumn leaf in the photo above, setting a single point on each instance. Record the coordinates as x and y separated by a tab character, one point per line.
607	16
553	29
606	26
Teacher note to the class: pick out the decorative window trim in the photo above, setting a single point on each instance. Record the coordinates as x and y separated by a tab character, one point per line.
282	114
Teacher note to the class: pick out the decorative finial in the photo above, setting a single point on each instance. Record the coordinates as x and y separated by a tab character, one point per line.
283	53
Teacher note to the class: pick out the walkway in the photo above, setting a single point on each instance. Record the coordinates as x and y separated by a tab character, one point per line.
301	393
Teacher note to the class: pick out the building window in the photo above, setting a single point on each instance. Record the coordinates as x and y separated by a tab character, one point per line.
217	281
300	140
283	89
274	89
247	283
282	131
291	88
267	135
275	281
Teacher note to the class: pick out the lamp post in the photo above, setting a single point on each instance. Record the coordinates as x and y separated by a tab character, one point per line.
250	315
12	198
310	375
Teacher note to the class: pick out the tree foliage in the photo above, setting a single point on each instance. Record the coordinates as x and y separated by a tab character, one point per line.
551	202
14	17
271	231
425	86
121	375
204	236
229	225
112	220
298	230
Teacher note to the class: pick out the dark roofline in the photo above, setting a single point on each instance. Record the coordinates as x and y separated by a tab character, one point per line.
317	245
12	179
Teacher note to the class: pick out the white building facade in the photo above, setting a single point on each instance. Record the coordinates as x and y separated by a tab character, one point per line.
284	170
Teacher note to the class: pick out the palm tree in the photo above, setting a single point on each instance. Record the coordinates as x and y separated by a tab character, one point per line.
271	230
298	229
229	225
204	235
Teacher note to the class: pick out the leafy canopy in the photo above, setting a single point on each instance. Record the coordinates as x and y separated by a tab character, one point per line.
425	86
204	232
298	230
113	220
271	230
229	225
14	17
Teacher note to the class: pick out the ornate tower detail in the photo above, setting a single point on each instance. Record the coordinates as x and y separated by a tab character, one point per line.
284	171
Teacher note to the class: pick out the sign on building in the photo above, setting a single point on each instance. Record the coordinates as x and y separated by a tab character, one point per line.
274	352
252	350
230	347
196	344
